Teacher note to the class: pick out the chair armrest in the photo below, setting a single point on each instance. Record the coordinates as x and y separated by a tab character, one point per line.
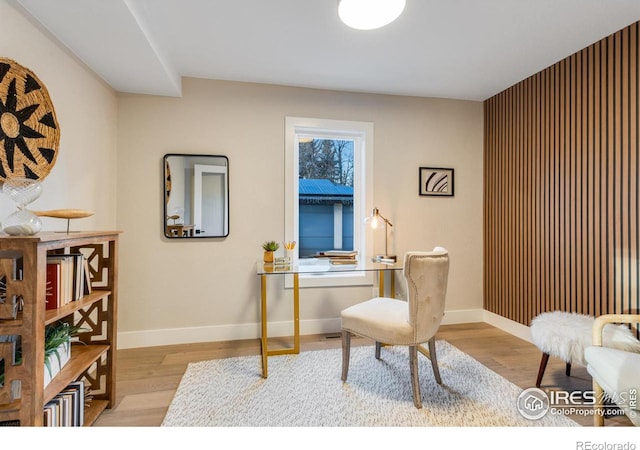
601	321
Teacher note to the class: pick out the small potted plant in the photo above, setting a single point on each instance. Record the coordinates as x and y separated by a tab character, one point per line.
57	347
269	248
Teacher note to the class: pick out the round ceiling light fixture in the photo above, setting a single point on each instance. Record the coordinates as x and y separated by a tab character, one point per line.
369	14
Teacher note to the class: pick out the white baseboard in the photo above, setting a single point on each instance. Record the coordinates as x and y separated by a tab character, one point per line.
508	325
191	335
463	316
173	336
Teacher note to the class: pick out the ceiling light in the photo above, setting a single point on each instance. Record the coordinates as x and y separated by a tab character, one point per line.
369	14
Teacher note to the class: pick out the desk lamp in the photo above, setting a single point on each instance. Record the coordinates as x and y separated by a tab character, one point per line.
374	221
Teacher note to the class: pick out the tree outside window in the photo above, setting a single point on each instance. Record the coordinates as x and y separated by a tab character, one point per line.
325	183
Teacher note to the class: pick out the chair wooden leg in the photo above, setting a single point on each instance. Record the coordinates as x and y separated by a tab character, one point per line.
378	347
415	383
434	360
598	416
543	366
346	350
567	370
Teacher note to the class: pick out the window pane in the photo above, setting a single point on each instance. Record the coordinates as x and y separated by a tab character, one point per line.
325	195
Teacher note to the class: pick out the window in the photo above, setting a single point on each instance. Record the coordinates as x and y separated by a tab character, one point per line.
328	190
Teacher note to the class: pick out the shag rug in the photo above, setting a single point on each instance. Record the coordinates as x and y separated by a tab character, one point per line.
306	390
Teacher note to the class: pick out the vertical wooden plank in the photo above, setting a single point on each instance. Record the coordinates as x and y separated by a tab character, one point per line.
635	145
570	187
598	211
541	187
580	180
489	276
548	180
518	169
624	166
530	205
557	192
610	173
499	208
591	150
634	149
584	182
511	245
576	259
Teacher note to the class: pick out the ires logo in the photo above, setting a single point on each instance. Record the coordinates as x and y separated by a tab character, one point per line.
534	403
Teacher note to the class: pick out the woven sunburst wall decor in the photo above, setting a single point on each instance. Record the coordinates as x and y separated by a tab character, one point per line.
29	131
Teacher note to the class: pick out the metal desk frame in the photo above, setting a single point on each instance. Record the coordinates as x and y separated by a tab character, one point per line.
264	270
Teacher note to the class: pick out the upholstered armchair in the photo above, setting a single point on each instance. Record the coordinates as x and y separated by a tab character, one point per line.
616	373
396	322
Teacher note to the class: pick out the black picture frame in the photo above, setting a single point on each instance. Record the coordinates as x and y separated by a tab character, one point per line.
436	182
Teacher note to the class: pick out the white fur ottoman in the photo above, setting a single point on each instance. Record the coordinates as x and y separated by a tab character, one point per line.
566	335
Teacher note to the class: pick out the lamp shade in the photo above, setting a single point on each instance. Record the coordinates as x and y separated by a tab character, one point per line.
374	220
369	14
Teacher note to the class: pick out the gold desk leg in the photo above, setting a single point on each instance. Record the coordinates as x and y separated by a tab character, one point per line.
265	352
296	314
392	286
263	312
392	274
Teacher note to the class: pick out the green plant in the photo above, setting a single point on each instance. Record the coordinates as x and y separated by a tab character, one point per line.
56	335
270	246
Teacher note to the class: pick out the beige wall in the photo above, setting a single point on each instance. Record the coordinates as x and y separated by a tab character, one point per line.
188	291
85	170
110	161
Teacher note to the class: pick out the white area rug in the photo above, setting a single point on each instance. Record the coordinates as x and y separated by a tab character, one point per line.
306	390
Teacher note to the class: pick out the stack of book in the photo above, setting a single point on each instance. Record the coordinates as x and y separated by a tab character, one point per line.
68	279
340	256
67	408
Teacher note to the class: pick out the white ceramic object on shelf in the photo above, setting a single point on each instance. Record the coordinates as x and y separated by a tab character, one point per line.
23	191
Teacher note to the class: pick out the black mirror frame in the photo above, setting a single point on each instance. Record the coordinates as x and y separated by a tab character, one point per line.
166	183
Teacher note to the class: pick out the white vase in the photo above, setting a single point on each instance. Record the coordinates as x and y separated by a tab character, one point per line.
57	363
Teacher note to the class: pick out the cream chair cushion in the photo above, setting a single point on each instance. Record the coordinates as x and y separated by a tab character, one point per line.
618	373
385	318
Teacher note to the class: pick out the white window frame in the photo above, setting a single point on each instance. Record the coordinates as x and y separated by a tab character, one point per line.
362	134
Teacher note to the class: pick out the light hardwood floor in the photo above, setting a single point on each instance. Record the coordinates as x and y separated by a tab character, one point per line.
147	378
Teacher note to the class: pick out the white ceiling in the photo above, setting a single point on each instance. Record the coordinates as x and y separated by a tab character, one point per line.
463	49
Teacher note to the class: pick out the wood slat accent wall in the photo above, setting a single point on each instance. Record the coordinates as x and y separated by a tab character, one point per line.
561	186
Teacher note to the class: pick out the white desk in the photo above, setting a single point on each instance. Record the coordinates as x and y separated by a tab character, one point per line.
265	270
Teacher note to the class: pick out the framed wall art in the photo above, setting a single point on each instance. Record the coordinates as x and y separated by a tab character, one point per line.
436	181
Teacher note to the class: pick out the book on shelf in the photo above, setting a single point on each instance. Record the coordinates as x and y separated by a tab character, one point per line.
73	282
67	408
66	274
87	277
53	286
78	390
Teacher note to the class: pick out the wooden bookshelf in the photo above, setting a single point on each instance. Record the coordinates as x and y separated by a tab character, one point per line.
23	262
